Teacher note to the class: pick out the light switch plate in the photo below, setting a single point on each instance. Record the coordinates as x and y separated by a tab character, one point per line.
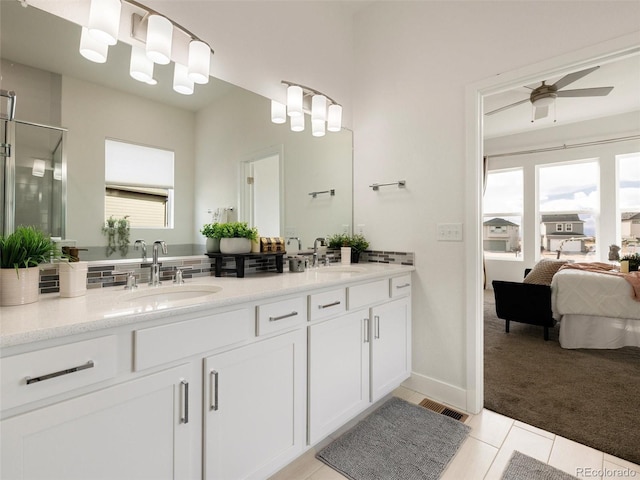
449	232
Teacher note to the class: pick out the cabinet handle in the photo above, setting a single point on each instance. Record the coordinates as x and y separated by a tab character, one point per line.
185	401
404	285
337	302
66	371
282	317
366	330
376	319
213	393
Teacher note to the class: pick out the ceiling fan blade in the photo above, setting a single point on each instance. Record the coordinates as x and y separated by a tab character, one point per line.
541	112
572	77
586	92
507	107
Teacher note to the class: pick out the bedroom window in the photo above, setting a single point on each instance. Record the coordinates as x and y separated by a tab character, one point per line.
568	198
502	215
628	173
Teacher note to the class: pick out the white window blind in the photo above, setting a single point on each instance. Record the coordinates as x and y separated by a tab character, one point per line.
137	165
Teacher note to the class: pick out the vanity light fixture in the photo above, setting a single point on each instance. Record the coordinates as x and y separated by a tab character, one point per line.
325	113
154	39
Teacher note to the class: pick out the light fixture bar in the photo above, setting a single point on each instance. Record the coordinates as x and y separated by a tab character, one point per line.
307	91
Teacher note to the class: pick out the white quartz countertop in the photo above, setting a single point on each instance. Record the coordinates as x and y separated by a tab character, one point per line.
53	316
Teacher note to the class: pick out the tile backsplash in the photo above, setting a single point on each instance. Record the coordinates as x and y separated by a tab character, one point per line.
104	274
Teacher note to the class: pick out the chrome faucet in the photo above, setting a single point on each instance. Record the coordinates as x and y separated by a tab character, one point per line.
143	244
295	238
154	278
315	250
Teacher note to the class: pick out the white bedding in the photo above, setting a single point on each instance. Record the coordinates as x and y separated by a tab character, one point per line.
595	310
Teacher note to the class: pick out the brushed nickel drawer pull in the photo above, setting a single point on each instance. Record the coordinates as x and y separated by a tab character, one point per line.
337	302
366	330
282	317
403	286
376	319
66	371
213	385
185	398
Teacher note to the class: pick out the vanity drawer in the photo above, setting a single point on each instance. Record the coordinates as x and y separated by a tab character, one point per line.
400	286
276	316
368	293
327	304
166	343
40	374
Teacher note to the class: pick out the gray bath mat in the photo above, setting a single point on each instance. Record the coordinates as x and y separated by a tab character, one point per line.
523	467
398	441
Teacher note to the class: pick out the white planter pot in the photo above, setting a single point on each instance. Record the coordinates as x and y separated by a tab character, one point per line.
345	255
213	245
73	278
235	245
20	288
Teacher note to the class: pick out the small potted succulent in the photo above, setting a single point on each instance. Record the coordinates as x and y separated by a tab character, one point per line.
21	253
209	230
235	237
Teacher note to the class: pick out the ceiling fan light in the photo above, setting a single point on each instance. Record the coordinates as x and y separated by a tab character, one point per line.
334	118
92	49
199	61
104	20
181	81
294	101
159	37
318	108
141	66
297	123
278	112
543	101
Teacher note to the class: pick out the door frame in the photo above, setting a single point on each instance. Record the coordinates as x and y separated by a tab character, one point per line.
603	52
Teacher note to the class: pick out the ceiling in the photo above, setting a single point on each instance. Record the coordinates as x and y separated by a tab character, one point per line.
623	75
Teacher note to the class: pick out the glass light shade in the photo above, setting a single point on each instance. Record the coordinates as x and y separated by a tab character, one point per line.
104	20
181	81
141	66
318	108
317	128
278	112
297	123
159	37
294	101
92	49
199	61
334	118
38	168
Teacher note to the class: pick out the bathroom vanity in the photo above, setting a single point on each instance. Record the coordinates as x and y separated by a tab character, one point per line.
219	378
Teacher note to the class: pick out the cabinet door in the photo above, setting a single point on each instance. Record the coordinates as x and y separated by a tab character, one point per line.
390	346
138	429
255	407
338	372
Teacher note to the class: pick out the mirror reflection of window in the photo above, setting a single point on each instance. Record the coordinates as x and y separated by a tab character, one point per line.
139	184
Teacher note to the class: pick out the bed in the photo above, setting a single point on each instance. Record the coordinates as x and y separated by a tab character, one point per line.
595	310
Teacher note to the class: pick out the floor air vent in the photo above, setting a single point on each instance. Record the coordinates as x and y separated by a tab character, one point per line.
439	408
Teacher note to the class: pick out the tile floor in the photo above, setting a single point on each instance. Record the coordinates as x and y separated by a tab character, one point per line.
485	453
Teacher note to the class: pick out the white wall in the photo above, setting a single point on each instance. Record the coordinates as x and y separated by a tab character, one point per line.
412	61
132	119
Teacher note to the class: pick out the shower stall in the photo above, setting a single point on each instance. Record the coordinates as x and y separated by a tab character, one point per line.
32	173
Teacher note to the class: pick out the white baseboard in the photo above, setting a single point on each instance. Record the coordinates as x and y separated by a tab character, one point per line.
437	390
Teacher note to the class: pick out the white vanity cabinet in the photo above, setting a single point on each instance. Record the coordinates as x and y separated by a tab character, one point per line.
254	413
136	429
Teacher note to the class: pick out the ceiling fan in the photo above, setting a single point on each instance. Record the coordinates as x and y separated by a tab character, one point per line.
544	95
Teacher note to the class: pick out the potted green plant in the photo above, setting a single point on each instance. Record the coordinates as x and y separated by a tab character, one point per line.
209	230
21	252
355	243
235	237
634	261
358	245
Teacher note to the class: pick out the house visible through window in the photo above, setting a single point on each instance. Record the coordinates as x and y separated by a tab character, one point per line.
139	184
629	202
502	222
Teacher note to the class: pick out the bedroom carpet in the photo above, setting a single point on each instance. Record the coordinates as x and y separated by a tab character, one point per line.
589	396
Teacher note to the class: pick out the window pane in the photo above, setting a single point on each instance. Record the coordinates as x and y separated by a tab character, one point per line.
504	192
569	188
575	240
502	237
629	202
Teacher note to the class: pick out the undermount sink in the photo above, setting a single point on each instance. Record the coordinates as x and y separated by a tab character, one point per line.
168	294
341	269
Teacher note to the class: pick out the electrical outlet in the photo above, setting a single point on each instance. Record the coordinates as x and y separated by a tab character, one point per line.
360	229
289	231
449	232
